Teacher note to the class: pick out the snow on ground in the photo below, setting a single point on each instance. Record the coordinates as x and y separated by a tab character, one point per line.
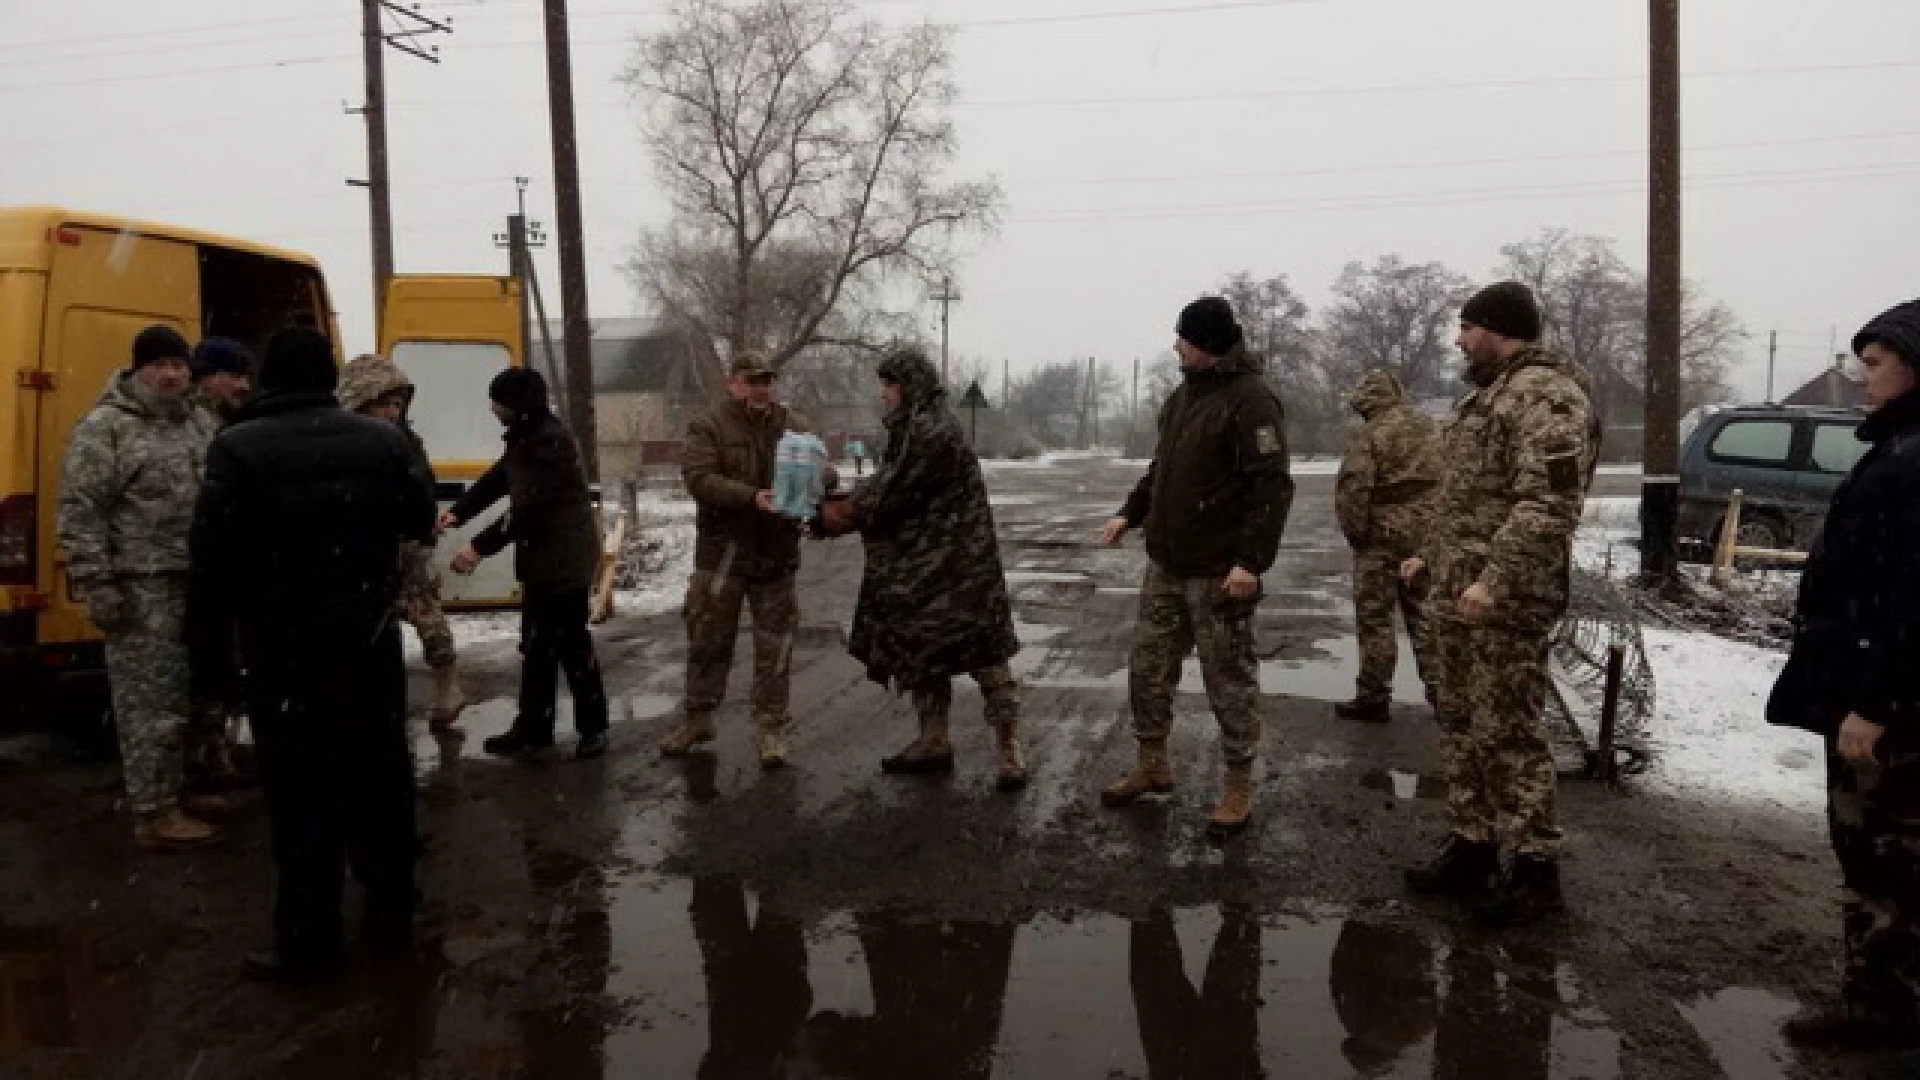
666	517
1605	544
1710	738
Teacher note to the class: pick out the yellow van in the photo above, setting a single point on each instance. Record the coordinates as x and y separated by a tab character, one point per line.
74	290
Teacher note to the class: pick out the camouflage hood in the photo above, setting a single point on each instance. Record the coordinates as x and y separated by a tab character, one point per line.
1377	392
368	379
918	380
126	393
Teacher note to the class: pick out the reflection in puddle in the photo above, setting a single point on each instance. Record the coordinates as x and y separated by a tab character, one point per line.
1742	1025
1327	671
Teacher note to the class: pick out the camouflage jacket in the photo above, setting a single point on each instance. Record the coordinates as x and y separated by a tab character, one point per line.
933	601
365	380
1391	472
1517	458
729	459
133	469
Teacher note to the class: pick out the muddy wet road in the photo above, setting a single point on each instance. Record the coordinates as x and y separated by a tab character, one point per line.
638	918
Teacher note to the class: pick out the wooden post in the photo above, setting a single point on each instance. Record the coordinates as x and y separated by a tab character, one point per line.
1605	767
1729	540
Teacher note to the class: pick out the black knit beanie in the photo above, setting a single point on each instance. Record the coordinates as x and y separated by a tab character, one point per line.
219	354
1507	308
158	342
1207	324
299	360
522	390
1897	328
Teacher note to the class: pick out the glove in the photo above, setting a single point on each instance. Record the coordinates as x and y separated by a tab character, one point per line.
107	607
836	518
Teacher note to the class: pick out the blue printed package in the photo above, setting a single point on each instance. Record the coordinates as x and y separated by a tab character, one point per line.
799	475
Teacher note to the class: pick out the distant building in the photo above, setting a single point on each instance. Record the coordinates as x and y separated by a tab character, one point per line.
1829	388
637	387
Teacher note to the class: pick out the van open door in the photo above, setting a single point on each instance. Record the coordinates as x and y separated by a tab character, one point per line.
451	334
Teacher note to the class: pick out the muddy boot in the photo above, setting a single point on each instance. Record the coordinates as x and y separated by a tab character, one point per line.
771	736
206	807
930	754
698	728
1013	762
1364	710
1463	868
1853	1023
1153	775
1236	803
174	829
1528	892
447	700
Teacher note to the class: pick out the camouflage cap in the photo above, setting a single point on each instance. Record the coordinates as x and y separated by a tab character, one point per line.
748	362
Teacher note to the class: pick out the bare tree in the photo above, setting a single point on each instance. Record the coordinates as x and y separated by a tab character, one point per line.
1394	315
803	148
1047	402
1280	334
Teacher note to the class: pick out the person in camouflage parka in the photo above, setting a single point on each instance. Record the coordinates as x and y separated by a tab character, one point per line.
375	386
933	603
1383	500
134	467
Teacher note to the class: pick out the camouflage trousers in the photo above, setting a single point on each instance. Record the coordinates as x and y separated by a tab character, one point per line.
712	611
420	606
1377	591
933	700
147	669
1177	614
1492	689
1873	817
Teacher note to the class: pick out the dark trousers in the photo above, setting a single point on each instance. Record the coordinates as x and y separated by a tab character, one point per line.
337	771
553	635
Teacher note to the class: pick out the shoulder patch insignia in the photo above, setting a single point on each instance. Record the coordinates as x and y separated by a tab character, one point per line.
1267	440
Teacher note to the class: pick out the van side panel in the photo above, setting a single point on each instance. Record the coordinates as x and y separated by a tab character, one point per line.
105	287
22	299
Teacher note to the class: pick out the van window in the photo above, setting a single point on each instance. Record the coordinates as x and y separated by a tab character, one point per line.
1835	449
1757	442
450	410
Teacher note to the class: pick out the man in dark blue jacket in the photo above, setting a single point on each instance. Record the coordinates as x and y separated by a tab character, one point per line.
297	538
1854	678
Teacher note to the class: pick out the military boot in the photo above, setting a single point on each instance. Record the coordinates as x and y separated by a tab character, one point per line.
1463	868
173	829
697	728
1364	710
1855	1022
1153	775
930	754
1528	892
1236	802
447	700
770	733
1013	762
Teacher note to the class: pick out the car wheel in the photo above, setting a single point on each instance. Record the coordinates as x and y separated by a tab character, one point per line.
1762	531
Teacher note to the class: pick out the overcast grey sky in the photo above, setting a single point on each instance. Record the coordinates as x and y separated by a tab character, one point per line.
1145	156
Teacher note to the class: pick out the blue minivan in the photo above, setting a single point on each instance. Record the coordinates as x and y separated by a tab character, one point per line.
1786	460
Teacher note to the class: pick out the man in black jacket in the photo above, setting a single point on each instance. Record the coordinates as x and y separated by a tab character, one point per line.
1214	502
557	545
297	535
1854	678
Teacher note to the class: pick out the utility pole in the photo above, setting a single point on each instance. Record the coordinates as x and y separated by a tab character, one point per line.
1660	487
374	40
1093	400
578	330
1133	414
1773	351
1006	383
521	237
946	298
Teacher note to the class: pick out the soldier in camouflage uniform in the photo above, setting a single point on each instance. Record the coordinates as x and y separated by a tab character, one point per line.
1214	503
373	385
1382	500
1518	457
133	469
933	602
744	554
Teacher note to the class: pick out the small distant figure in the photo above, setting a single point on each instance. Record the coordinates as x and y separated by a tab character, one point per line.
556	553
857	450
